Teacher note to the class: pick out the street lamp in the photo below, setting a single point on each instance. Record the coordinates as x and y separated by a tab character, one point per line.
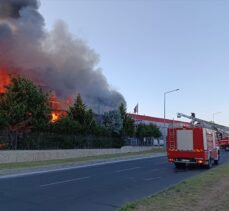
213	115
165	93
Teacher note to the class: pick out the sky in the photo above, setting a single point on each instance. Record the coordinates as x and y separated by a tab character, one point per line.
149	47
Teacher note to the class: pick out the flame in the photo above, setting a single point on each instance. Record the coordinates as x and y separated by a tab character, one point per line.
55	117
58	108
54	103
4	80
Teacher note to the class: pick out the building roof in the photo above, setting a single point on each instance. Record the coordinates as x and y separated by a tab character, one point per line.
154	119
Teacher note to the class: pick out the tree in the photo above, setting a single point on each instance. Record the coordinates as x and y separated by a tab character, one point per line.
113	121
122	110
89	122
85	117
141	131
78	110
23	107
66	125
157	133
147	131
128	127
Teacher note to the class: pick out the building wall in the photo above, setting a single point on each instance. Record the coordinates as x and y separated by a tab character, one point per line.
162	124
14	156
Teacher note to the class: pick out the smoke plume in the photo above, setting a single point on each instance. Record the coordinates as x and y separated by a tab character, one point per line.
55	60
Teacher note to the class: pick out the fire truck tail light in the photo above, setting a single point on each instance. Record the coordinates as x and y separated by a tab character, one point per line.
200	161
171	159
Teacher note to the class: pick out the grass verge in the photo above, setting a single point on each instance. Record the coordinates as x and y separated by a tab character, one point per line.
207	191
81	160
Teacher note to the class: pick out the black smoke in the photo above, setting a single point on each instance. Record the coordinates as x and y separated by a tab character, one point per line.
13	8
55	59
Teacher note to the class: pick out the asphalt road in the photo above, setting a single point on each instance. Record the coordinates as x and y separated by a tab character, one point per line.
101	187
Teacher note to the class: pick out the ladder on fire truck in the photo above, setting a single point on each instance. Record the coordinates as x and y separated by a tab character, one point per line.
224	130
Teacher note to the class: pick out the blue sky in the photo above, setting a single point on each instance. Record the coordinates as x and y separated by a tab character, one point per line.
147	47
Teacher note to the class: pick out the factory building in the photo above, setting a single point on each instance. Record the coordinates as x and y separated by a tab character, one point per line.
162	124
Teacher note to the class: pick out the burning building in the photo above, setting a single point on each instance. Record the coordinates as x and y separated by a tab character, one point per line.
55	59
4	80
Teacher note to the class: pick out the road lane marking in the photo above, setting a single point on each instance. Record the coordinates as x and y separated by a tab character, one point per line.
129	169
64	181
152	178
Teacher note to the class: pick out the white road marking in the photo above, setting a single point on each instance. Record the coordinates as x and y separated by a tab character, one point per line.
129	169
64	181
152	178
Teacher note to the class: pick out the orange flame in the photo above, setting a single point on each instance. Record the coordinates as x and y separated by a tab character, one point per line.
4	80
55	117
58	108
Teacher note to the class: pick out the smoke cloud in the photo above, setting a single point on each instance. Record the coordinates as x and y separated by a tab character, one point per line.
55	60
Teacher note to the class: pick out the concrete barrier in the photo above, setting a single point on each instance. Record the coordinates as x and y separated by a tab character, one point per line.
13	156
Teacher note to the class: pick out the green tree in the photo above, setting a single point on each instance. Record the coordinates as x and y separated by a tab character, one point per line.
141	131
89	122
113	122
156	132
78	110
122	110
147	131
66	125
85	117
128	127
23	107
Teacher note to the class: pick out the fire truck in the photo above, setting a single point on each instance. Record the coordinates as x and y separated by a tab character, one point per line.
224	143
196	144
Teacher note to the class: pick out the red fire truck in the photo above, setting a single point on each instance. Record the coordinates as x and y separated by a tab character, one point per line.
197	144
224	143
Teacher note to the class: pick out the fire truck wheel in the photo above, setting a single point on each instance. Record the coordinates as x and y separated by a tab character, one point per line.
180	165
216	162
209	165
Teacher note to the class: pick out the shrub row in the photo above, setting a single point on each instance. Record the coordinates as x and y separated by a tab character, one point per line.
58	141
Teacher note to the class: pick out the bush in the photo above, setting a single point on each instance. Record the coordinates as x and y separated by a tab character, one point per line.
37	141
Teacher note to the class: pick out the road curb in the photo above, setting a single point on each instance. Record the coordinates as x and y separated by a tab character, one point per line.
5	174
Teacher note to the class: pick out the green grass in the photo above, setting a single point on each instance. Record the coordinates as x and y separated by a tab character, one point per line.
81	160
208	191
